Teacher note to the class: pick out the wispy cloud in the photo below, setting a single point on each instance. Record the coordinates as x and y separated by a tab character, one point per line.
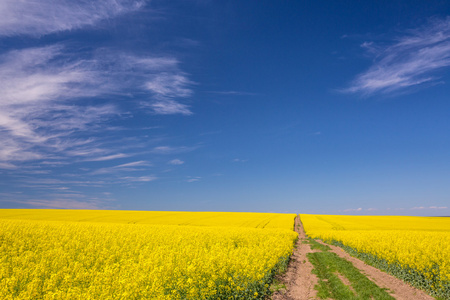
176	161
169	85
75	201
140	178
429	207
416	208
60	183
167	107
134	164
193	179
131	166
60	103
238	160
108	157
412	59
352	209
60	198
164	88
172	150
63	204
4	165
233	93
42	89
46	16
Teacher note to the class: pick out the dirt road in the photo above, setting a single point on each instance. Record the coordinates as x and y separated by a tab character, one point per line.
298	279
298	282
397	288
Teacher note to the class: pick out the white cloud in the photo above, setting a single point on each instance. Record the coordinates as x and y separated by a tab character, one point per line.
418	207
411	60
140	179
163	149
53	183
193	179
31	109
166	85
7	166
238	160
429	207
42	88
12	150
167	107
133	164
57	101
171	150
233	93
32	75
57	195
41	17
176	162
438	207
352	209
108	157
63	204
129	167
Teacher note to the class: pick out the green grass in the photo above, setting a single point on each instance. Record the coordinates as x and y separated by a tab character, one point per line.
327	266
278	286
319	246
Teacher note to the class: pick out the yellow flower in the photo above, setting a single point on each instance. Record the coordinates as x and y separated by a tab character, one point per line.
156	259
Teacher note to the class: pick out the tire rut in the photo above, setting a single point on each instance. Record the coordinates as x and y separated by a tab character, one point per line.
298	279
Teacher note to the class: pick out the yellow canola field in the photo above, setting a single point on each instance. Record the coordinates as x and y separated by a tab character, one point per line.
97	260
422	243
228	219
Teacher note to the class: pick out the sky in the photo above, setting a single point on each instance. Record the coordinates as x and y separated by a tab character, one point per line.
322	107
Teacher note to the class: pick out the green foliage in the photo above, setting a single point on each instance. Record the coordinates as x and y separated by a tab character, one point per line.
277	286
315	245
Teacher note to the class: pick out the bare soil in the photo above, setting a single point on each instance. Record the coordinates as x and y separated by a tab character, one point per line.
299	281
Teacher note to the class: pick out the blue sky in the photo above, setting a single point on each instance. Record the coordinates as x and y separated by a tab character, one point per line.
330	107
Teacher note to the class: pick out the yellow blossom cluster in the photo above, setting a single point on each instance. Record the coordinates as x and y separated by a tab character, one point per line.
83	258
227	219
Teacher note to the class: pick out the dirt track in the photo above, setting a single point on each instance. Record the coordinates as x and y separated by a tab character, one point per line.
396	287
298	279
300	282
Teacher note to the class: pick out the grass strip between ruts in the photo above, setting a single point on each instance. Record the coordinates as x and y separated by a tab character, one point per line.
328	265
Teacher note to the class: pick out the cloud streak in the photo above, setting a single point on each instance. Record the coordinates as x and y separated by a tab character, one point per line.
43	90
108	157
429	207
172	150
233	93
35	18
352	209
191	179
129	167
176	161
140	178
61	104
410	60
